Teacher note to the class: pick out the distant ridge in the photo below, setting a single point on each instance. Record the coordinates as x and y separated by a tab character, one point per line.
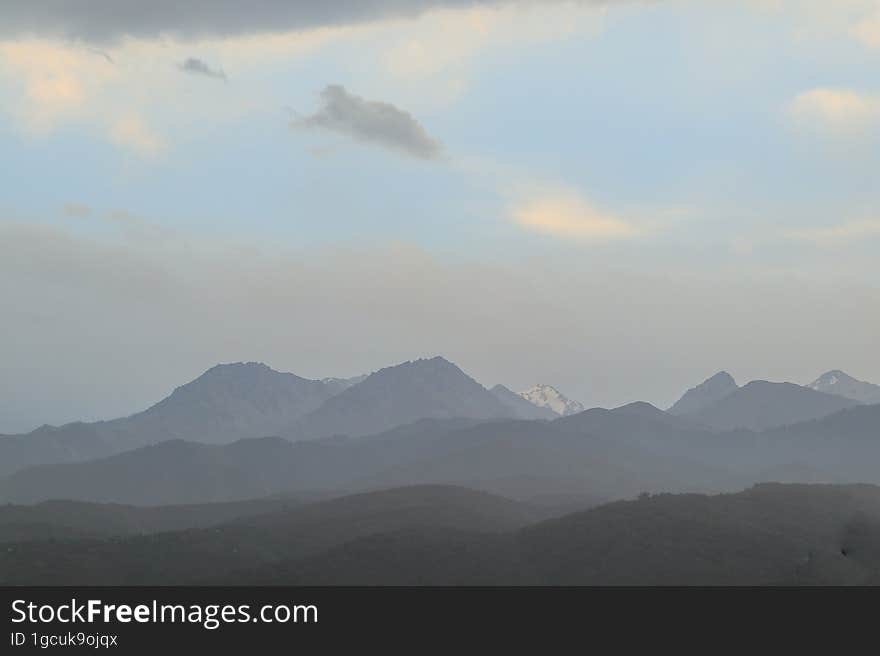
226	403
421	389
705	394
762	405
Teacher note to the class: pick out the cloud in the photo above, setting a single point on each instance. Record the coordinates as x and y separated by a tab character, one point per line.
109	20
840	233
868	30
198	67
132	133
102	54
77	210
371	121
566	215
841	110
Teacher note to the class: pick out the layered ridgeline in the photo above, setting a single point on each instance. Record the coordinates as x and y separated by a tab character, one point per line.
250	400
760	405
441	535
428	422
589	457
71	520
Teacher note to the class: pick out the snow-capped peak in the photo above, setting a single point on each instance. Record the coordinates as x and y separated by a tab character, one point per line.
840	384
827	380
545	396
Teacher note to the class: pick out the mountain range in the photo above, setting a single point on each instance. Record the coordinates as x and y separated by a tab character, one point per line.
417	474
582	459
248	400
426	421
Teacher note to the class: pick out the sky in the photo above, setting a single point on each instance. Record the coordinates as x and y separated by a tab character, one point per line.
618	198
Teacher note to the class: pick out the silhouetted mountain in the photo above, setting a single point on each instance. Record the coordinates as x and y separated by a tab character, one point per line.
246	545
768	535
840	384
521	408
597	454
226	403
232	402
173	472
407	557
761	405
856	425
634	422
67	520
705	394
189	472
545	396
50	444
400	395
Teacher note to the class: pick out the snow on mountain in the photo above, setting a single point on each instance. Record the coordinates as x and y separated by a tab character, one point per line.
338	385
841	384
545	396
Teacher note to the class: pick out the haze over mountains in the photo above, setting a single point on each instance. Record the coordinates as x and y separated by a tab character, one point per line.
248	400
436	479
427	421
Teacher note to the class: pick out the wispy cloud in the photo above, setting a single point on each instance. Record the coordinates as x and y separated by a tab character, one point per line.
839	233
133	133
77	210
371	121
198	67
867	30
841	110
567	215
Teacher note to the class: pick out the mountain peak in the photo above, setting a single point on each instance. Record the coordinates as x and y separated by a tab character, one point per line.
705	394
547	396
232	401
226	368
842	384
401	394
722	377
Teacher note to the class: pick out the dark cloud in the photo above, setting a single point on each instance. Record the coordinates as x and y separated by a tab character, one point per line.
371	121
198	67
108	20
106	56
